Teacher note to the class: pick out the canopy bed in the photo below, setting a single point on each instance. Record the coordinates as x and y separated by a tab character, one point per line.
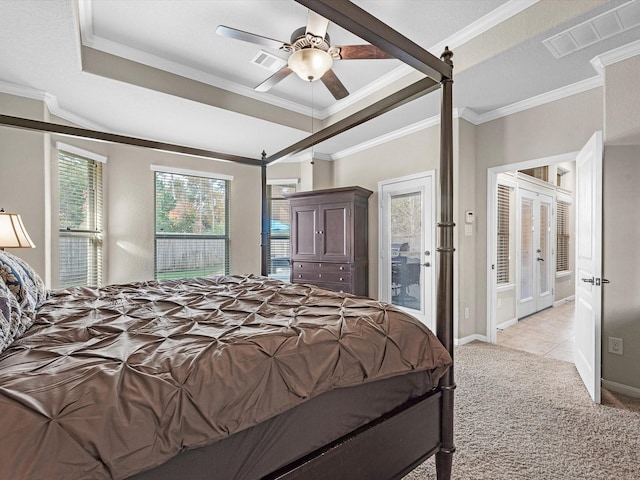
327	418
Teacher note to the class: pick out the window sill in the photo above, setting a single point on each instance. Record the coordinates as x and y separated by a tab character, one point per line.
565	273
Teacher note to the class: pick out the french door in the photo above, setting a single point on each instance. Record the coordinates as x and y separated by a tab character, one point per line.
406	273
535	258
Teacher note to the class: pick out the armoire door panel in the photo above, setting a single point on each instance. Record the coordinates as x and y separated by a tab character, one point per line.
335	232
305	226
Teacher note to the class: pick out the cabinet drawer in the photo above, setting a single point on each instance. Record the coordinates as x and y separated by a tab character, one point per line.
336	287
321	267
319	276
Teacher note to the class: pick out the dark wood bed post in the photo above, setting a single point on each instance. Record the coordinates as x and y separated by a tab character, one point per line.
444	309
264	235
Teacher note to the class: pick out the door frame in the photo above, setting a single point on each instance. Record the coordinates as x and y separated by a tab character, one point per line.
431	174
492	221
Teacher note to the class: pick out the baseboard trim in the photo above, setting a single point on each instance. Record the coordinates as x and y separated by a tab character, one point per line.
564	300
469	339
621	388
507	324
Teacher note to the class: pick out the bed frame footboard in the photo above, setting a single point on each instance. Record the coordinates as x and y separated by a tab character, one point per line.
387	448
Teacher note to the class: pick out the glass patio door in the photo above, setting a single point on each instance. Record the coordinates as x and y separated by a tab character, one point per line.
406	268
535	262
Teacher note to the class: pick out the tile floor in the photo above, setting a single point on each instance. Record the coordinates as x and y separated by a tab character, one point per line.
548	333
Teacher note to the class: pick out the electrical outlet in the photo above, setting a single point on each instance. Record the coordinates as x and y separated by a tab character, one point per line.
466	312
615	345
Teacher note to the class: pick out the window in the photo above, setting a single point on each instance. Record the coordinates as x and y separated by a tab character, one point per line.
504	234
562	236
279	246
80	220
192	226
541	173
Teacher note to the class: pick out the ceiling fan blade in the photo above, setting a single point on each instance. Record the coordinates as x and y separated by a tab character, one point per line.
280	75
335	86
316	24
361	52
249	37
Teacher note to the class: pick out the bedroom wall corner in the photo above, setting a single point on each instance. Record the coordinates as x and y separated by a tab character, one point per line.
467	234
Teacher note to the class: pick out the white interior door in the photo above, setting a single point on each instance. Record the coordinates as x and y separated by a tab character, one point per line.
407	231
535	259
588	350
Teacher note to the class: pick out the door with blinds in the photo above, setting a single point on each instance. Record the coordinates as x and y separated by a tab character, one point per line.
535	252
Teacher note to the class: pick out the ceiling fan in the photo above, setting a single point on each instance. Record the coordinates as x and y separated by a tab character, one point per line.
311	56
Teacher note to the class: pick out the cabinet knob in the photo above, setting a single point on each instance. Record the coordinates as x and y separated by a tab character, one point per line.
299	276
341	279
341	268
319	275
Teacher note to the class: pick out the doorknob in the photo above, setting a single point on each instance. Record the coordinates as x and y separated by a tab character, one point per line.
427	264
588	280
541	259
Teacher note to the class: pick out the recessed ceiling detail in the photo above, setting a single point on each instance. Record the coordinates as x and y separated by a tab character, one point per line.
603	26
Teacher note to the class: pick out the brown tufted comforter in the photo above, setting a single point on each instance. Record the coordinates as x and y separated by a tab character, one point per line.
113	381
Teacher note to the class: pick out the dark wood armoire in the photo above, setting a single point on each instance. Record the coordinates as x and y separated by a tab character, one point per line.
329	245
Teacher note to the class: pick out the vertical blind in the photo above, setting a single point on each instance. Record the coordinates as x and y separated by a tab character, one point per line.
562	236
280	231
192	226
80	220
504	240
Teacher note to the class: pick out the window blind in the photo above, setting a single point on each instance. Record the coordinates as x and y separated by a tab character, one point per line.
80	220
192	226
562	236
503	237
280	230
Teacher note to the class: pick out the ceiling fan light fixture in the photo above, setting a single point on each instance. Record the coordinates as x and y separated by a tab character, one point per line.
310	63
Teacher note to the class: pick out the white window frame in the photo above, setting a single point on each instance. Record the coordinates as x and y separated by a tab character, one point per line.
95	260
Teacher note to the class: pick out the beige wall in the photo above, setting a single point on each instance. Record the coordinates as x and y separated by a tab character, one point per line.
22	176
131	214
129	197
552	129
621	230
418	152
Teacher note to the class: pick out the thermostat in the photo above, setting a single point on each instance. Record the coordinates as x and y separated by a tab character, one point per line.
468	216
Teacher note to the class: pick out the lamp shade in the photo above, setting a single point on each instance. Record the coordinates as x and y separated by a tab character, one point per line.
310	63
12	231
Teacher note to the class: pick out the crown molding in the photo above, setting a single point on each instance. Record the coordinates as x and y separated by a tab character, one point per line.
482	25
616	55
22	91
542	99
52	104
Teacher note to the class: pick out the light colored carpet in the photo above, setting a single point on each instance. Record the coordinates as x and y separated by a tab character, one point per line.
521	416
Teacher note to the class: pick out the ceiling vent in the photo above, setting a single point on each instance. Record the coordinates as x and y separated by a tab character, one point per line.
587	33
268	61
